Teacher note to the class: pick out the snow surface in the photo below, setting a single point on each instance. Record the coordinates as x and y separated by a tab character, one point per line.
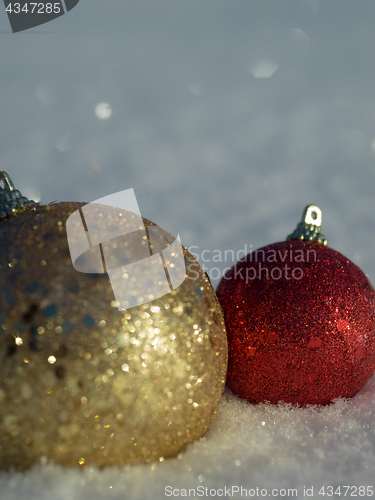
227	117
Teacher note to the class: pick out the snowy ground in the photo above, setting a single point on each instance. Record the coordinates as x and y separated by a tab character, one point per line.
228	118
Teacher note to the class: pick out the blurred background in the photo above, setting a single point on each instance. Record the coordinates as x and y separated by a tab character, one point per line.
226	117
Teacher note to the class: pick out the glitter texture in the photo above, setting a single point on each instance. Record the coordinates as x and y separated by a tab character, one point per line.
83	383
300	323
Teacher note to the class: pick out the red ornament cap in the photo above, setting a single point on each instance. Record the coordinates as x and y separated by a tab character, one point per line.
300	321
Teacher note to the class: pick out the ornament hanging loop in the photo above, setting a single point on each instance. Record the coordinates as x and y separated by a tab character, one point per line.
11	200
312	215
310	226
6	183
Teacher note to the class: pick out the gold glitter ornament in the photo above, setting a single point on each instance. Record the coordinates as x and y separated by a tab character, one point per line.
84	383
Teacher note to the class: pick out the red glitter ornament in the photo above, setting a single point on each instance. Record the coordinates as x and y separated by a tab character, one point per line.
300	320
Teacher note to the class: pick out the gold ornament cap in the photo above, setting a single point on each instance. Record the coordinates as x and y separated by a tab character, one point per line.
12	201
310	226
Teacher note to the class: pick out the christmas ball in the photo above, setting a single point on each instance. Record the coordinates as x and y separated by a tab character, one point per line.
83	382
300	321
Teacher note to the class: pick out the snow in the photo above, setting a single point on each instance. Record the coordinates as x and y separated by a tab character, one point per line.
254	446
227	118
